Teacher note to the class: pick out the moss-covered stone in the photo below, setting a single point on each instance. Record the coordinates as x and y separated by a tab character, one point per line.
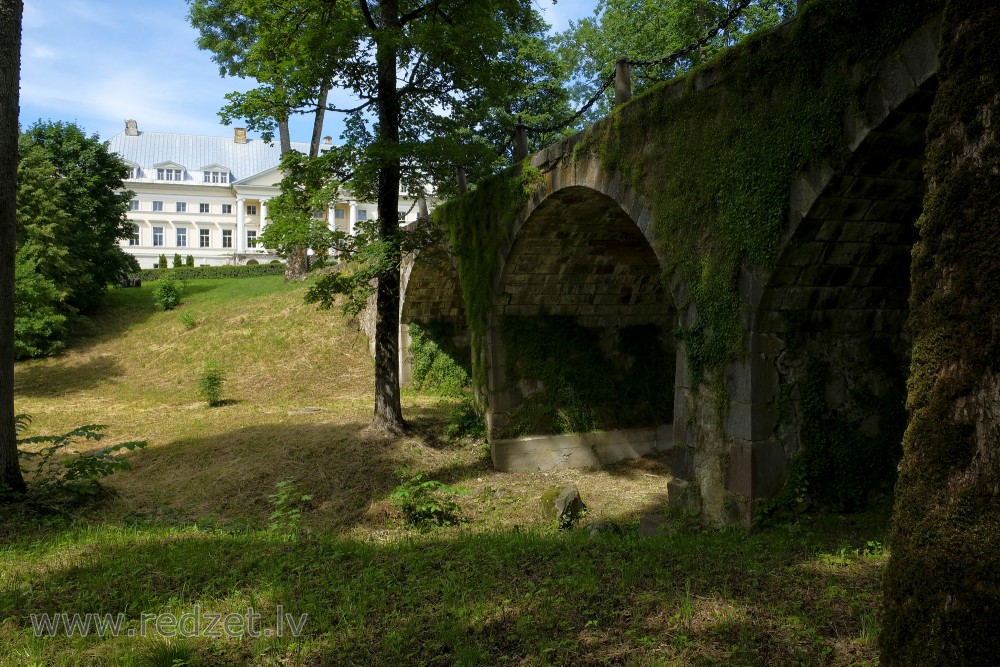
942	589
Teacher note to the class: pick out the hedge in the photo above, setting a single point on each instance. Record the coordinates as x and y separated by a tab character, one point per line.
196	272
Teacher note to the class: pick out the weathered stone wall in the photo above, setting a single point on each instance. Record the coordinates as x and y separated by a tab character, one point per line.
942	587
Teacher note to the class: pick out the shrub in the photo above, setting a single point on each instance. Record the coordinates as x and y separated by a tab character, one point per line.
287	503
210	383
427	502
465	421
189	320
177	261
210	272
163	262
77	475
189	261
167	293
39	328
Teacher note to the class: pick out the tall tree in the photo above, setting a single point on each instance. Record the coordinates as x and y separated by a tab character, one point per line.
11	481
651	29
423	73
96	201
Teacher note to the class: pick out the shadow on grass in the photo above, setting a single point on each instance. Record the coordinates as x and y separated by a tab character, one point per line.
229	476
62	376
511	598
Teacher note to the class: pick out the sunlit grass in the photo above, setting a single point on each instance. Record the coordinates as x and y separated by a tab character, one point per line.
189	525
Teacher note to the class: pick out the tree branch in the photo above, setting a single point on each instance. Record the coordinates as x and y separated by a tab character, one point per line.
367	11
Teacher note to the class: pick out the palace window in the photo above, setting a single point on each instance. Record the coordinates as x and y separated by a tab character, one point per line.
227	238
133	204
182	207
227	209
133	173
251	209
362	214
157	235
157	206
204	208
133	238
251	238
216	176
338	214
204	238
182	237
168	174
401	215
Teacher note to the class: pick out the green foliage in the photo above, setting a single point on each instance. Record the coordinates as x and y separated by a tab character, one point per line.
200	272
465	421
648	30
578	387
189	320
177	261
39	326
366	256
307	185
427	503
162	264
287	502
93	217
772	114
167	293
840	468
210	383
438	365
50	474
479	224
189	261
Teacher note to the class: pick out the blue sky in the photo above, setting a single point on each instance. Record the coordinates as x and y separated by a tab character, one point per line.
98	62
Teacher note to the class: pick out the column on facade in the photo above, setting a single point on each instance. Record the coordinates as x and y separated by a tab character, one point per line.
331	220
353	219
263	214
241	228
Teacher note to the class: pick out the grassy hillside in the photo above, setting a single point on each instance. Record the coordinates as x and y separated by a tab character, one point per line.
190	525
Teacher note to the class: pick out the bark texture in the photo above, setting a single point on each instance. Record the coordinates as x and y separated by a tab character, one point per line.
11	481
942	586
388	415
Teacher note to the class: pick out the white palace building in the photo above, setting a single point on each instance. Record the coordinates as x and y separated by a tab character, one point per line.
207	196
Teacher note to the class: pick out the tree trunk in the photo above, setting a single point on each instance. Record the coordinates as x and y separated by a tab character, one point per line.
317	136
284	138
296	265
11	481
942	588
388	415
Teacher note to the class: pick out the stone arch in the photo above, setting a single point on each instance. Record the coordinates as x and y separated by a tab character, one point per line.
580	276
828	347
431	297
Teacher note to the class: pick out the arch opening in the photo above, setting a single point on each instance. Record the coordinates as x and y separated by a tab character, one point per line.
831	327
584	325
435	351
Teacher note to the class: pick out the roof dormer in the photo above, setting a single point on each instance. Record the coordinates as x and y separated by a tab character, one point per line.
215	173
134	171
169	171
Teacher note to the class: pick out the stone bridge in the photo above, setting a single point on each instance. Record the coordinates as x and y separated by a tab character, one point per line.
742	305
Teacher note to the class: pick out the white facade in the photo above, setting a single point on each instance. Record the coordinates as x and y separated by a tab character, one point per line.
207	197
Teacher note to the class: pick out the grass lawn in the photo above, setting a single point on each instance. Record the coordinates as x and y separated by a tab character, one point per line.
190	529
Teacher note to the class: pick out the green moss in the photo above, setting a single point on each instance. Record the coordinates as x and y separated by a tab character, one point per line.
941	585
478	225
716	165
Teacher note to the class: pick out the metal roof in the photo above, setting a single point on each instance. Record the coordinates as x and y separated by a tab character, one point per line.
196	152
